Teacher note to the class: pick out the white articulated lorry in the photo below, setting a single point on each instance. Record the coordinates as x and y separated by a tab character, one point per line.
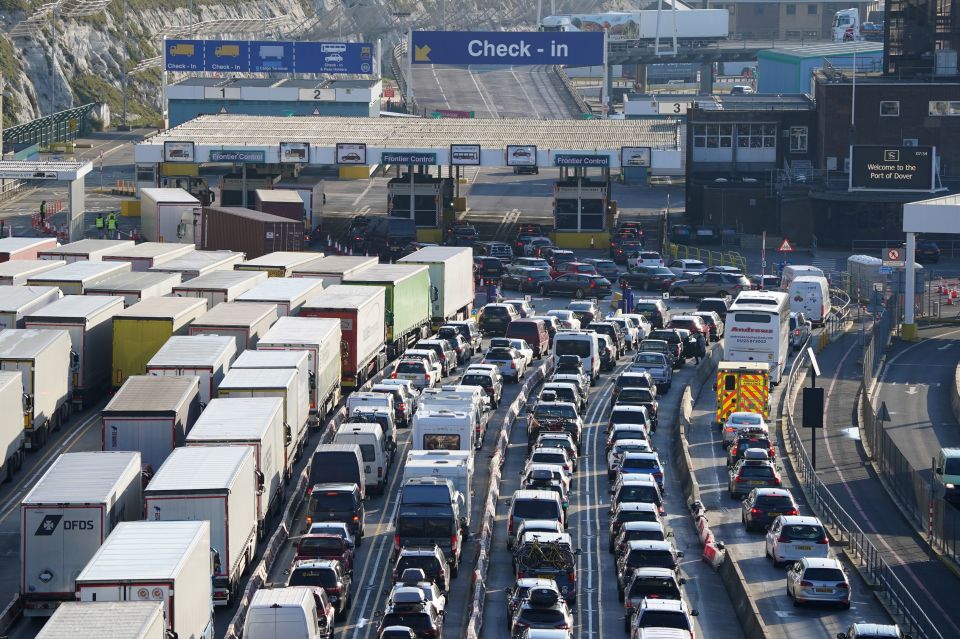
219	286
451	281
206	356
256	422
455	465
106	620
218	484
66	517
288	293
245	323
12	440
167	561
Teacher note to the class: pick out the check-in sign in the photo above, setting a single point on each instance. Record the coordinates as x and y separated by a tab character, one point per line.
465	154
577	49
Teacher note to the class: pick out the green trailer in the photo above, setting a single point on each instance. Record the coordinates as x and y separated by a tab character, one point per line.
407	309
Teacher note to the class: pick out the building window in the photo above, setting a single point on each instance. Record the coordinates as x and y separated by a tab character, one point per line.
791	9
944	108
712	136
889	108
757	136
812	9
798	139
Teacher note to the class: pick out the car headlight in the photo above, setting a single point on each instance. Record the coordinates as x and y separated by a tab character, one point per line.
951	486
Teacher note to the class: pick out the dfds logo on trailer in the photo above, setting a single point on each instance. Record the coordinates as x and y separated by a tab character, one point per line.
49	525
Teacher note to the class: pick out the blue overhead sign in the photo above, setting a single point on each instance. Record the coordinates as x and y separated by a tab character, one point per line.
579	49
268	56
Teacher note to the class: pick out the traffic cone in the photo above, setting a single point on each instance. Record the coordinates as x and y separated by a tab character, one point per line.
950	300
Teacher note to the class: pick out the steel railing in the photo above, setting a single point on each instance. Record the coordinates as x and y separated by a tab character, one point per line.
707	256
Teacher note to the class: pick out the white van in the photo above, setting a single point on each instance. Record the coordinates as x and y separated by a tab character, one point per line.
373	449
793	271
810	295
286	613
583	344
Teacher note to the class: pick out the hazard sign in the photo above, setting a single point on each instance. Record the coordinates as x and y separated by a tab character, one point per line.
785	246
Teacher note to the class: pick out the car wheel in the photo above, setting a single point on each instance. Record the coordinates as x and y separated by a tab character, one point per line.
579	293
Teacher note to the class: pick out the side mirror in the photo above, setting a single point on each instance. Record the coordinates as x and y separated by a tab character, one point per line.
578	552
682	581
841	635
939	470
714	387
679	554
694	613
670	534
260	482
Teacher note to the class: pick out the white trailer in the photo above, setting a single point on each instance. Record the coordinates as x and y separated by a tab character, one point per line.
433	399
217	484
256	422
451	280
146	255
65	518
24	248
321	339
220	286
12	438
455	465
197	263
168	561
332	269
43	359
297	361
84	250
169	215
136	286
278	263
442	429
288	293
151	415
17	272
105	620
89	320
275	382
75	277
245	323
206	356
16	302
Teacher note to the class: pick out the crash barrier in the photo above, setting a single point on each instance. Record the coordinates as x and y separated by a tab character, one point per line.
955	395
572	90
488	518
743	604
708	257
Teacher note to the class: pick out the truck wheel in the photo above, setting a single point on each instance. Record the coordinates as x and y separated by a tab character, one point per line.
455	569
55	418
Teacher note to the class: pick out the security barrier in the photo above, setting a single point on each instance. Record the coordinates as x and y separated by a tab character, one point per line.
707	256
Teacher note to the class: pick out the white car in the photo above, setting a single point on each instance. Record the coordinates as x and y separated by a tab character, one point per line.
793	537
521	346
660	613
642	324
628	326
812	580
623	446
553	456
739	421
685	268
566	318
512	364
648	258
416	371
430	357
533	246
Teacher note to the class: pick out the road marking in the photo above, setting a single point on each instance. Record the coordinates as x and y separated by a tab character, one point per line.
487	104
362	195
440	86
945	346
533	106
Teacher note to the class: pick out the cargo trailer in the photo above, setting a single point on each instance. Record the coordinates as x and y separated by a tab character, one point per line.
278	263
332	269
219	286
74	278
25	248
297	361
151	415
136	286
206	356
12	439
169	215
146	255
140	331
16	302
288	294
168	561
250	231
282	203
197	263
407	311
256	422
275	382
451	281
321	339
84	250
44	359
106	620
65	518
89	320
245	323
217	484
359	310
17	272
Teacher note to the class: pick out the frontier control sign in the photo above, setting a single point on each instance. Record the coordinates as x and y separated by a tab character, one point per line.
494	47
892	168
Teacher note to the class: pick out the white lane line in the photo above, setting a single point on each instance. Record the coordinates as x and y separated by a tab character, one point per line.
440	85
356	202
490	108
524	90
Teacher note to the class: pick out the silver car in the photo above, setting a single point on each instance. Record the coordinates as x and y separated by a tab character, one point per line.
816	580
800	328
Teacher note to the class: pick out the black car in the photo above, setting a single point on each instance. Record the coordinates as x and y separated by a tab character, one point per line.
636	396
386	237
680	234
356	231
605	268
464	235
676	341
337	502
648	278
420	617
927	252
524	278
624	249
491	269
719	305
763	505
577	285
612	331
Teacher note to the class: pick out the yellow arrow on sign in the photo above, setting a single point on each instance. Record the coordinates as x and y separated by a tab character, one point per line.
422	54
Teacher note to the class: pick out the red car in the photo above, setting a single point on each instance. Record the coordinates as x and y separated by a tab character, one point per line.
325	547
580	268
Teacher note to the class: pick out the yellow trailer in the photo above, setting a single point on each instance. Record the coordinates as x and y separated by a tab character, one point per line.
140	330
742	387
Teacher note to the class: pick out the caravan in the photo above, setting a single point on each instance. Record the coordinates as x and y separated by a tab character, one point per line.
442	429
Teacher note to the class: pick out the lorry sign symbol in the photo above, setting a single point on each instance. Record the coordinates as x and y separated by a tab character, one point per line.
48	525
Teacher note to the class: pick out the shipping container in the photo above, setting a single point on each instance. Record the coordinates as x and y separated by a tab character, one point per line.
89	320
74	278
287	293
297	361
220	286
250	231
146	255
197	263
151	415
281	203
256	422
12	439
24	248
333	268
106	620
407	311
135	286
360	312
17	272
275	382
44	359
168	561
321	339
140	331
16	302
169	215
217	484
84	250
205	356
66	516
451	280
278	263
246	323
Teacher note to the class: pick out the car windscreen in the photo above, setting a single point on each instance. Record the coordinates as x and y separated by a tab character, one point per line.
647	558
328	501
554	411
426	563
416	621
578	347
636	515
544	457
626	417
803	532
644	535
760	472
411	367
648	358
499	353
477	380
542	616
323	577
951	466
654	587
645	494
823	574
535	509
425	494
635	396
774	501
664	619
640	463
320	545
496	311
416	526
